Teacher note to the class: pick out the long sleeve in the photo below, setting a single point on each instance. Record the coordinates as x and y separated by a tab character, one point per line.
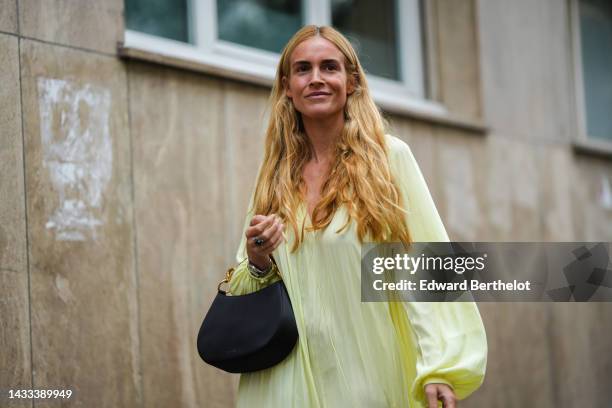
242	282
443	342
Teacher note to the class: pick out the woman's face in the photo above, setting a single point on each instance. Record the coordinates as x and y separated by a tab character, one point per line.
318	84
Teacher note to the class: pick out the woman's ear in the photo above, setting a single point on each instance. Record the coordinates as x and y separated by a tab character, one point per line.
285	82
351	84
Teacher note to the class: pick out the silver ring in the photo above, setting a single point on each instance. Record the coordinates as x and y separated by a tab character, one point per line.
259	241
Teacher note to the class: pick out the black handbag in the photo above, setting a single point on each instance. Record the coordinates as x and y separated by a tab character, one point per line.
250	332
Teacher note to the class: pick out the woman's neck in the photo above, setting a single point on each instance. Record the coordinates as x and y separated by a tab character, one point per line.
323	135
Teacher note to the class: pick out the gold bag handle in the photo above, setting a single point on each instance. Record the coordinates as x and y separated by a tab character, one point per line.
228	276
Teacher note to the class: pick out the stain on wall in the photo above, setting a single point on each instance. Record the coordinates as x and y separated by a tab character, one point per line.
77	151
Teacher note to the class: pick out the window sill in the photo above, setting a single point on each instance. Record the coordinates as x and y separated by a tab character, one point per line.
176	54
596	148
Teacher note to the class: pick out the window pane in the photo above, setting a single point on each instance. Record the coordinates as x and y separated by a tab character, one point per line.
163	18
263	24
596	42
372	28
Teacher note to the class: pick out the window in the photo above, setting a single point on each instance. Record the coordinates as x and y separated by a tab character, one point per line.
163	18
243	38
594	67
376	40
241	22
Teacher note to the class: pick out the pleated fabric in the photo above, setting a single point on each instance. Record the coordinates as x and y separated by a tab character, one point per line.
363	354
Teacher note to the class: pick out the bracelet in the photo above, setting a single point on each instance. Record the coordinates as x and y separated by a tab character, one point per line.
259	273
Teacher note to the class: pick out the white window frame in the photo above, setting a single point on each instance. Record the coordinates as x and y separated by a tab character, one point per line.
259	66
579	95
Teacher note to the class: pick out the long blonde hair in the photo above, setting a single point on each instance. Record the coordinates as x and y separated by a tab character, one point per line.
359	177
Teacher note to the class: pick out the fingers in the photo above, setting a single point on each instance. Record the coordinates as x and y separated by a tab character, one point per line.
257	219
271	230
447	396
259	224
449	401
432	396
267	228
442	392
275	240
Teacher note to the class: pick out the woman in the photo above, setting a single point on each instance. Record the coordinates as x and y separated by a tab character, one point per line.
336	180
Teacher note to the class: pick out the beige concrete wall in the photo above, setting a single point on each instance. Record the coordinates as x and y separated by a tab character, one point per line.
455	44
14	301
83	293
87	24
8	16
124	188
541	355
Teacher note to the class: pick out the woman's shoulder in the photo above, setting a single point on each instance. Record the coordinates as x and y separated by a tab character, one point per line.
397	147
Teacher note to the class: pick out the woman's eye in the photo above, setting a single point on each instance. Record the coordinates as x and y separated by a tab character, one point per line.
302	68
330	67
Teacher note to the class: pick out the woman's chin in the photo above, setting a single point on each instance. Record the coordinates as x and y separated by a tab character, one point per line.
320	114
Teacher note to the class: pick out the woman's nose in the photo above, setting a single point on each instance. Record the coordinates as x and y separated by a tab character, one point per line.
316	77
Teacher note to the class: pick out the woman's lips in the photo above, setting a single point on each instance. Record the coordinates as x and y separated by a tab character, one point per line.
318	96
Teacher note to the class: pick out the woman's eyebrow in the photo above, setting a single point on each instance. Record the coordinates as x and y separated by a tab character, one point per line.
325	61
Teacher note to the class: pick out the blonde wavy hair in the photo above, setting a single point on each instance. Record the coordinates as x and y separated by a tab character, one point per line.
359	176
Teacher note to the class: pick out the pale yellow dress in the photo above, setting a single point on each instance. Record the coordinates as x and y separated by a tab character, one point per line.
363	354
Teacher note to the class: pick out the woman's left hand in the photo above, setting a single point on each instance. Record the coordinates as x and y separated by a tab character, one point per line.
442	392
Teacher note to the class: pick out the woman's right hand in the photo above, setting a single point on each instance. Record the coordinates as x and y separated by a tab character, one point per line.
268	228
